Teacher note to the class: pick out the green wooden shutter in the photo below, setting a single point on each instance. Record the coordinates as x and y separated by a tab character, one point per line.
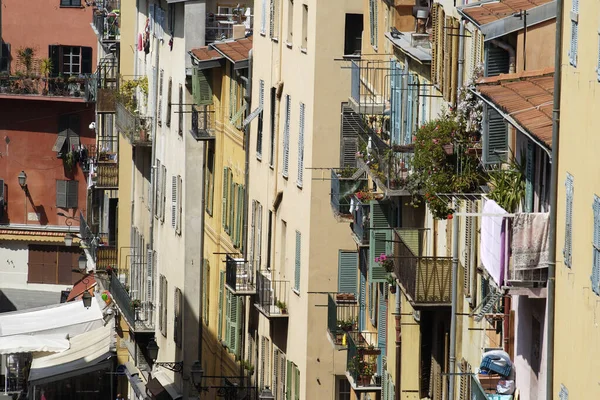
195	84
239	215
350	126
298	261
382	326
296	382
495	137
347	267
380	240
228	318
234	326
362	314
568	249
221	289
288	381
529	176
224	200
230	203
203	94
286	137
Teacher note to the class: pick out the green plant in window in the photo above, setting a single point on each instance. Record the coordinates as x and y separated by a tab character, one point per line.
507	186
26	55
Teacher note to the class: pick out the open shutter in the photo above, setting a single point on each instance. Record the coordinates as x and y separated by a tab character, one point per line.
228	297
173	201
396	101
362	315
347	267
205	297
203	94
380	240
263	19
495	137
220	313
54	52
160	93
259	130
61	194
258	244
596	247
297	271
424	100
224	200
158	193
288	381
286	136
282	385
567	250
251	236
351	125
231	204
408	120
529	176
384	386
296	383
262	362
235	313
466	256
382	326
149	275
276	358
574	32
435	21
301	146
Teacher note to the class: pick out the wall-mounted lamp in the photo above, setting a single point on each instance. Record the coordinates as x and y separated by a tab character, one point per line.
82	262
23	180
68	239
152	351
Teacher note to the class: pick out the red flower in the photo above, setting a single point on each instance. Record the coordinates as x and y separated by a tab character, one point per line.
450	216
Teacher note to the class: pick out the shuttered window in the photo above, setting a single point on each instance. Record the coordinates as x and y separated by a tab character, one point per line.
259	131
564	393
574	32
373	303
596	247
224	202
350	125
373	21
52	265
158	193
301	146
424	101
232	326
497	60
286	136
174	201
382	325
437	35
568	249
273	107
411	97
5	57
210	177
180	128
205	291
465	379
467	257
169	99
495	137
220	311
231	204
396	82
362	301
162	310
282	377
160	93
263	369
297	268
380	239
347	267
179	221
201	86
67	193
529	176
178	321
263	19
274	19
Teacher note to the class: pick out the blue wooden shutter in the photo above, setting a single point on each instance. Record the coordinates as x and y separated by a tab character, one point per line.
495	137
347	267
396	102
568	249
220	314
596	247
372	300
362	312
380	240
409	109
286	137
301	146
381	326
298	261
529	176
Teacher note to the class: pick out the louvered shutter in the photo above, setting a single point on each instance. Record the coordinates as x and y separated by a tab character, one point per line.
435	21
275	382
205	279
72	193
61	194
233	213
408	124
301	146
234	314
574	32
169	99
286	137
164	194
372	21
454	34
347	267
297	267
259	132
231	202
396	102
392	389
362	303
263	20
424	100
446	71
258	254
495	137
252	235
161	305
351	124
158	193
262	362
497	60
239	215
596	247
288	381
382	326
567	250
384	386
149	275
380	240
160	92
224	200
173	200
228	297
296	382
220	313
282	386
179	204
178	325
529	176
467	252
204	96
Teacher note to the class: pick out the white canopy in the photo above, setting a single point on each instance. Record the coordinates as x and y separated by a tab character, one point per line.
89	352
47	325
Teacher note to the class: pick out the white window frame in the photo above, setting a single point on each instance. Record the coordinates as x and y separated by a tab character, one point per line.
301	127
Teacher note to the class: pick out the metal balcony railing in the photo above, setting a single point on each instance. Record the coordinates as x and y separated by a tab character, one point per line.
272	296
139	316
370	86
135	128
426	281
106	258
239	276
78	87
361	364
361	212
203	122
219	27
106	20
342	190
341	318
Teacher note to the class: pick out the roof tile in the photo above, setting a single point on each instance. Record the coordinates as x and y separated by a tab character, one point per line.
487	12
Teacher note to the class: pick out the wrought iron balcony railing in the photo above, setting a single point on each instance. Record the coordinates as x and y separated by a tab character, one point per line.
272	296
203	122
239	276
426	281
342	317
106	258
57	88
137	129
139	316
361	365
343	188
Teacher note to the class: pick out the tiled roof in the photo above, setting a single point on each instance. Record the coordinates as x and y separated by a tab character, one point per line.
527	97
491	11
205	54
235	50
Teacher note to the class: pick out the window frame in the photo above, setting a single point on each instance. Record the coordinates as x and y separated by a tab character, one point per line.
304	41
289	41
70	5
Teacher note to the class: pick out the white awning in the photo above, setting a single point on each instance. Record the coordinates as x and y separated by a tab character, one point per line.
89	352
34	343
67	318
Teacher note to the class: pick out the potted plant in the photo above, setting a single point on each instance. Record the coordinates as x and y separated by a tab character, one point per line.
392	282
46	70
386	261
136	303
248	367
347	324
282	306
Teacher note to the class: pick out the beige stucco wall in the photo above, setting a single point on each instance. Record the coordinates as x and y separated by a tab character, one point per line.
577	340
540	41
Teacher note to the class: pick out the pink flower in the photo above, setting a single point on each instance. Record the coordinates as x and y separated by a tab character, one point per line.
435	141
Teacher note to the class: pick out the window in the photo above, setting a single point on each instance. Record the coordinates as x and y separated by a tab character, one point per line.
202	86
596	247
158	193
232	327
169	93
286	136
160	93
4	56
178	321
298	260
225	199
272	125
66	193
163	190
283	247
162	305
373	22
269	239
256	234
568	249
347	267
259	131
304	27
353	34
343	388
52	265
263	19
301	147
180	109
290	23
210	177
574	32
265	358
68	134
274	19
70	3
70	60
174	201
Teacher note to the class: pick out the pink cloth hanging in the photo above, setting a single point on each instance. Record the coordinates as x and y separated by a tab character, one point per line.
140	44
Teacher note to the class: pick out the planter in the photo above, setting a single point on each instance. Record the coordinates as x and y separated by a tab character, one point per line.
393	289
370	352
364	380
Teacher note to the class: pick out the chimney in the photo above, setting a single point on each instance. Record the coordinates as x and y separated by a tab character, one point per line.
239	31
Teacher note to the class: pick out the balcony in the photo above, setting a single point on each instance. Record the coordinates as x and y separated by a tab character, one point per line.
370	86
135	128
138	315
106	258
361	363
361	212
426	281
70	89
106	20
203	122
272	296
344	183
239	276
219	26
342	318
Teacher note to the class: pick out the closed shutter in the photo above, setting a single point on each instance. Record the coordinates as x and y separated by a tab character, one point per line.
204	96
224	200
179	203
529	176
286	136
72	193
61	194
301	146
396	101
231	202
410	97
347	267
180	129
233	320
382	325
351	125
228	297
258	244
173	201
497	60
163	201
574	32
495	137
596	247
568	249
297	271
160	92
380	240
466	258
259	131
263	349
288	381
263	20
169	99
296	383
220	313
149	274
362	302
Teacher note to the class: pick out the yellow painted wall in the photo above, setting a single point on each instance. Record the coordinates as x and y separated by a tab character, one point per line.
540	41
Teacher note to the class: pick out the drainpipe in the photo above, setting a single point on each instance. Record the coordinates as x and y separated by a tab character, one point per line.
461	56
511	54
452	355
553	203
398	342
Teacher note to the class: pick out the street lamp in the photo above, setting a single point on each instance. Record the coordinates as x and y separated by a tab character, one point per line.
266	394
68	239
87	299
152	352
82	262
23	180
197	373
